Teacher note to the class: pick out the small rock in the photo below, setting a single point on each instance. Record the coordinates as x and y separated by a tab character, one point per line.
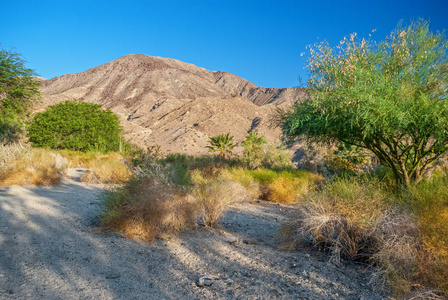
219	284
246	274
293	266
249	242
234	243
207	280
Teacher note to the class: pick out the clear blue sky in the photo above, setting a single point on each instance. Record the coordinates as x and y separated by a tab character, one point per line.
260	41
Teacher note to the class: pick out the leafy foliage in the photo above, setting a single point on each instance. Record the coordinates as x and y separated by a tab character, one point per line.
222	143
19	90
76	126
253	154
389	98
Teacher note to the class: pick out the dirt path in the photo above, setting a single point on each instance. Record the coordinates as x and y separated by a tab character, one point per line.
50	248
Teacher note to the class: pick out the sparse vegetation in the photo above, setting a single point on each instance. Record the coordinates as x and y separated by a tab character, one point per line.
147	207
26	166
207	184
102	168
403	234
387	98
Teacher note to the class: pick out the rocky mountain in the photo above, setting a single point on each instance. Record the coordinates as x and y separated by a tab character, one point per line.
172	103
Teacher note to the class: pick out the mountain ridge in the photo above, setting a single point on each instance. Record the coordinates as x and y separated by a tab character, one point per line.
155	98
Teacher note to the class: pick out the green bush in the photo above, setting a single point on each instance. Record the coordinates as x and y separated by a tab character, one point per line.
76	126
19	91
253	154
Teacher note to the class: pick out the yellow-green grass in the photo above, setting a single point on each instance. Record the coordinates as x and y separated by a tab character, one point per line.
32	166
103	168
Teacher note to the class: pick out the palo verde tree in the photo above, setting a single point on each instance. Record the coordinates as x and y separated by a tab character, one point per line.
78	126
19	90
222	143
388	97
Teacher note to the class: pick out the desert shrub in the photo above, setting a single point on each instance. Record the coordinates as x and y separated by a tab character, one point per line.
103	168
32	167
148	206
243	177
76	126
344	158
430	204
107	171
139	156
9	153
277	157
402	233
281	186
215	194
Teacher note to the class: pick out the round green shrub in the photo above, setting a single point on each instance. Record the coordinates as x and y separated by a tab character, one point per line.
78	126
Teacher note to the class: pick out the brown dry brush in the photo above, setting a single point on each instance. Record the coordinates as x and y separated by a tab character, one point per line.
28	166
354	220
147	208
151	206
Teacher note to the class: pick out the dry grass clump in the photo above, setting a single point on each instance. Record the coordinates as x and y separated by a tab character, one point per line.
9	153
103	168
107	171
245	179
148	207
360	220
430	204
279	186
32	167
215	194
164	199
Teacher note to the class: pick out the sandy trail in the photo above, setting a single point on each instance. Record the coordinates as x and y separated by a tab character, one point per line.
51	248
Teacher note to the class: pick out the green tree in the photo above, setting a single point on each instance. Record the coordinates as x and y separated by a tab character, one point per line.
19	90
388	97
253	154
222	143
77	126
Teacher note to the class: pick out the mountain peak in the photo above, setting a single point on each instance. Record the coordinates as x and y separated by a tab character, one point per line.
161	99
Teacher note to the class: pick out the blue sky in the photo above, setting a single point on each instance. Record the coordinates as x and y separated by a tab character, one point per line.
260	41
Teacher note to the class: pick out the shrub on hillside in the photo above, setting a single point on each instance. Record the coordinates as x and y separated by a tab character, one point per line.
76	126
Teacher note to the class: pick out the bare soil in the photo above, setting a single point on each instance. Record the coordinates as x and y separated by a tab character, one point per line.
51	248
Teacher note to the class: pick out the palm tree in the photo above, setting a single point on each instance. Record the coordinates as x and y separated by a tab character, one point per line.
222	143
253	150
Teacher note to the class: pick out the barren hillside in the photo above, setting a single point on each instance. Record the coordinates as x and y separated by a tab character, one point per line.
174	104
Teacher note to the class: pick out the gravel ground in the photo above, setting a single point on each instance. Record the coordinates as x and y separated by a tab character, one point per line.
51	248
